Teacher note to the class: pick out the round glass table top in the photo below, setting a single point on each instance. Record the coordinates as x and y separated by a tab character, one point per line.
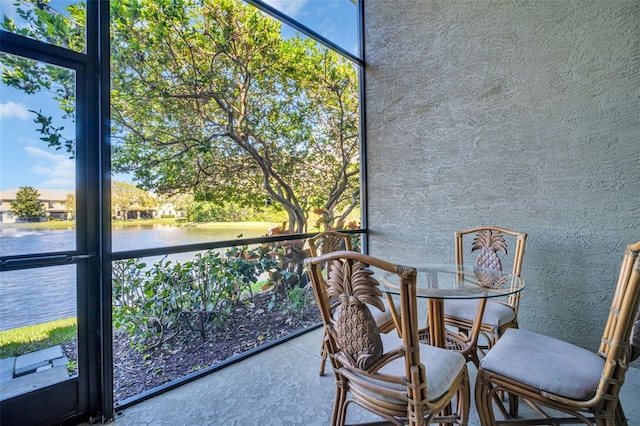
441	281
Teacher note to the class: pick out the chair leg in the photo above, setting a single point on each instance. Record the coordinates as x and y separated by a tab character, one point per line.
621	419
463	403
340	405
514	404
484	401
323	353
323	362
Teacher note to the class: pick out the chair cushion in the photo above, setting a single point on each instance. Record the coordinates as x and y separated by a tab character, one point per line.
379	317
442	367
545	363
495	314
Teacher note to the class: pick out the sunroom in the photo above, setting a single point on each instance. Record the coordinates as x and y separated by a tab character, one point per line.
397	122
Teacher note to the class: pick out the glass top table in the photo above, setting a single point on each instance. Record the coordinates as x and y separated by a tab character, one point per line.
438	282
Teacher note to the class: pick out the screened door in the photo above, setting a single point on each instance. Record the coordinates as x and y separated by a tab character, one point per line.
50	221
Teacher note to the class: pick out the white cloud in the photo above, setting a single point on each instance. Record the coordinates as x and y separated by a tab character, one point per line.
58	170
289	7
13	110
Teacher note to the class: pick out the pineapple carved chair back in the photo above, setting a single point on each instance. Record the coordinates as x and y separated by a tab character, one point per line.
491	246
397	378
387	318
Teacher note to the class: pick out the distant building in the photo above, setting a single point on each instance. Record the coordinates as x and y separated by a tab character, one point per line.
169	210
53	202
133	212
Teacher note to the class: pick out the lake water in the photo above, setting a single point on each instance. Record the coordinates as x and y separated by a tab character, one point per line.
37	295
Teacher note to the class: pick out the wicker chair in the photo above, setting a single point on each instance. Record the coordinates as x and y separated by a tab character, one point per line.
386	320
578	383
399	379
498	315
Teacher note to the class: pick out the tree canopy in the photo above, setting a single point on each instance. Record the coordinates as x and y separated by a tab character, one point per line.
208	97
126	197
27	204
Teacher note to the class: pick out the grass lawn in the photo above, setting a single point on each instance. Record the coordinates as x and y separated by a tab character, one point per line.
32	338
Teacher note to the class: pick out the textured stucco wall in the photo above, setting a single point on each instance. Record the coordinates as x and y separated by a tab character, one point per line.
521	114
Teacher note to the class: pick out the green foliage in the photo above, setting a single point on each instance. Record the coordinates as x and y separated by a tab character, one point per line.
48	24
72	366
295	303
151	303
147	302
38	20
285	261
127	197
207	211
27	204
255	116
208	98
298	298
154	303
203	211
70	204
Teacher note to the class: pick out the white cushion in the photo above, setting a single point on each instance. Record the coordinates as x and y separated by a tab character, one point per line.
495	314
545	363
442	367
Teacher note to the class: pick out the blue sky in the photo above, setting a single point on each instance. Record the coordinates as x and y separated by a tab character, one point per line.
336	20
25	160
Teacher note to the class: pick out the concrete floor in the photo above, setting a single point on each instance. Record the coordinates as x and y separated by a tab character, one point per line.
280	386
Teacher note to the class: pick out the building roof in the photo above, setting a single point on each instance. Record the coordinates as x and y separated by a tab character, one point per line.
45	194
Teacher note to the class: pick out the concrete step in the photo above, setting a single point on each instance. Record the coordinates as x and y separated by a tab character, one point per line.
31	362
33	381
32	371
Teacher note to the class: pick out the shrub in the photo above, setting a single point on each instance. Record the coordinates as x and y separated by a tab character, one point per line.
151	303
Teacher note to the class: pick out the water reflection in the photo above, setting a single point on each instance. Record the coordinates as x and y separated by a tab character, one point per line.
22	241
33	296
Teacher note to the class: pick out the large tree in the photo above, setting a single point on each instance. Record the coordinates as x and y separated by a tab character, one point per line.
27	204
70	205
207	97
126	197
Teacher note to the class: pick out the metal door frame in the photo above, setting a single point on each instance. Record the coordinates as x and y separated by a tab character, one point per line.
88	396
